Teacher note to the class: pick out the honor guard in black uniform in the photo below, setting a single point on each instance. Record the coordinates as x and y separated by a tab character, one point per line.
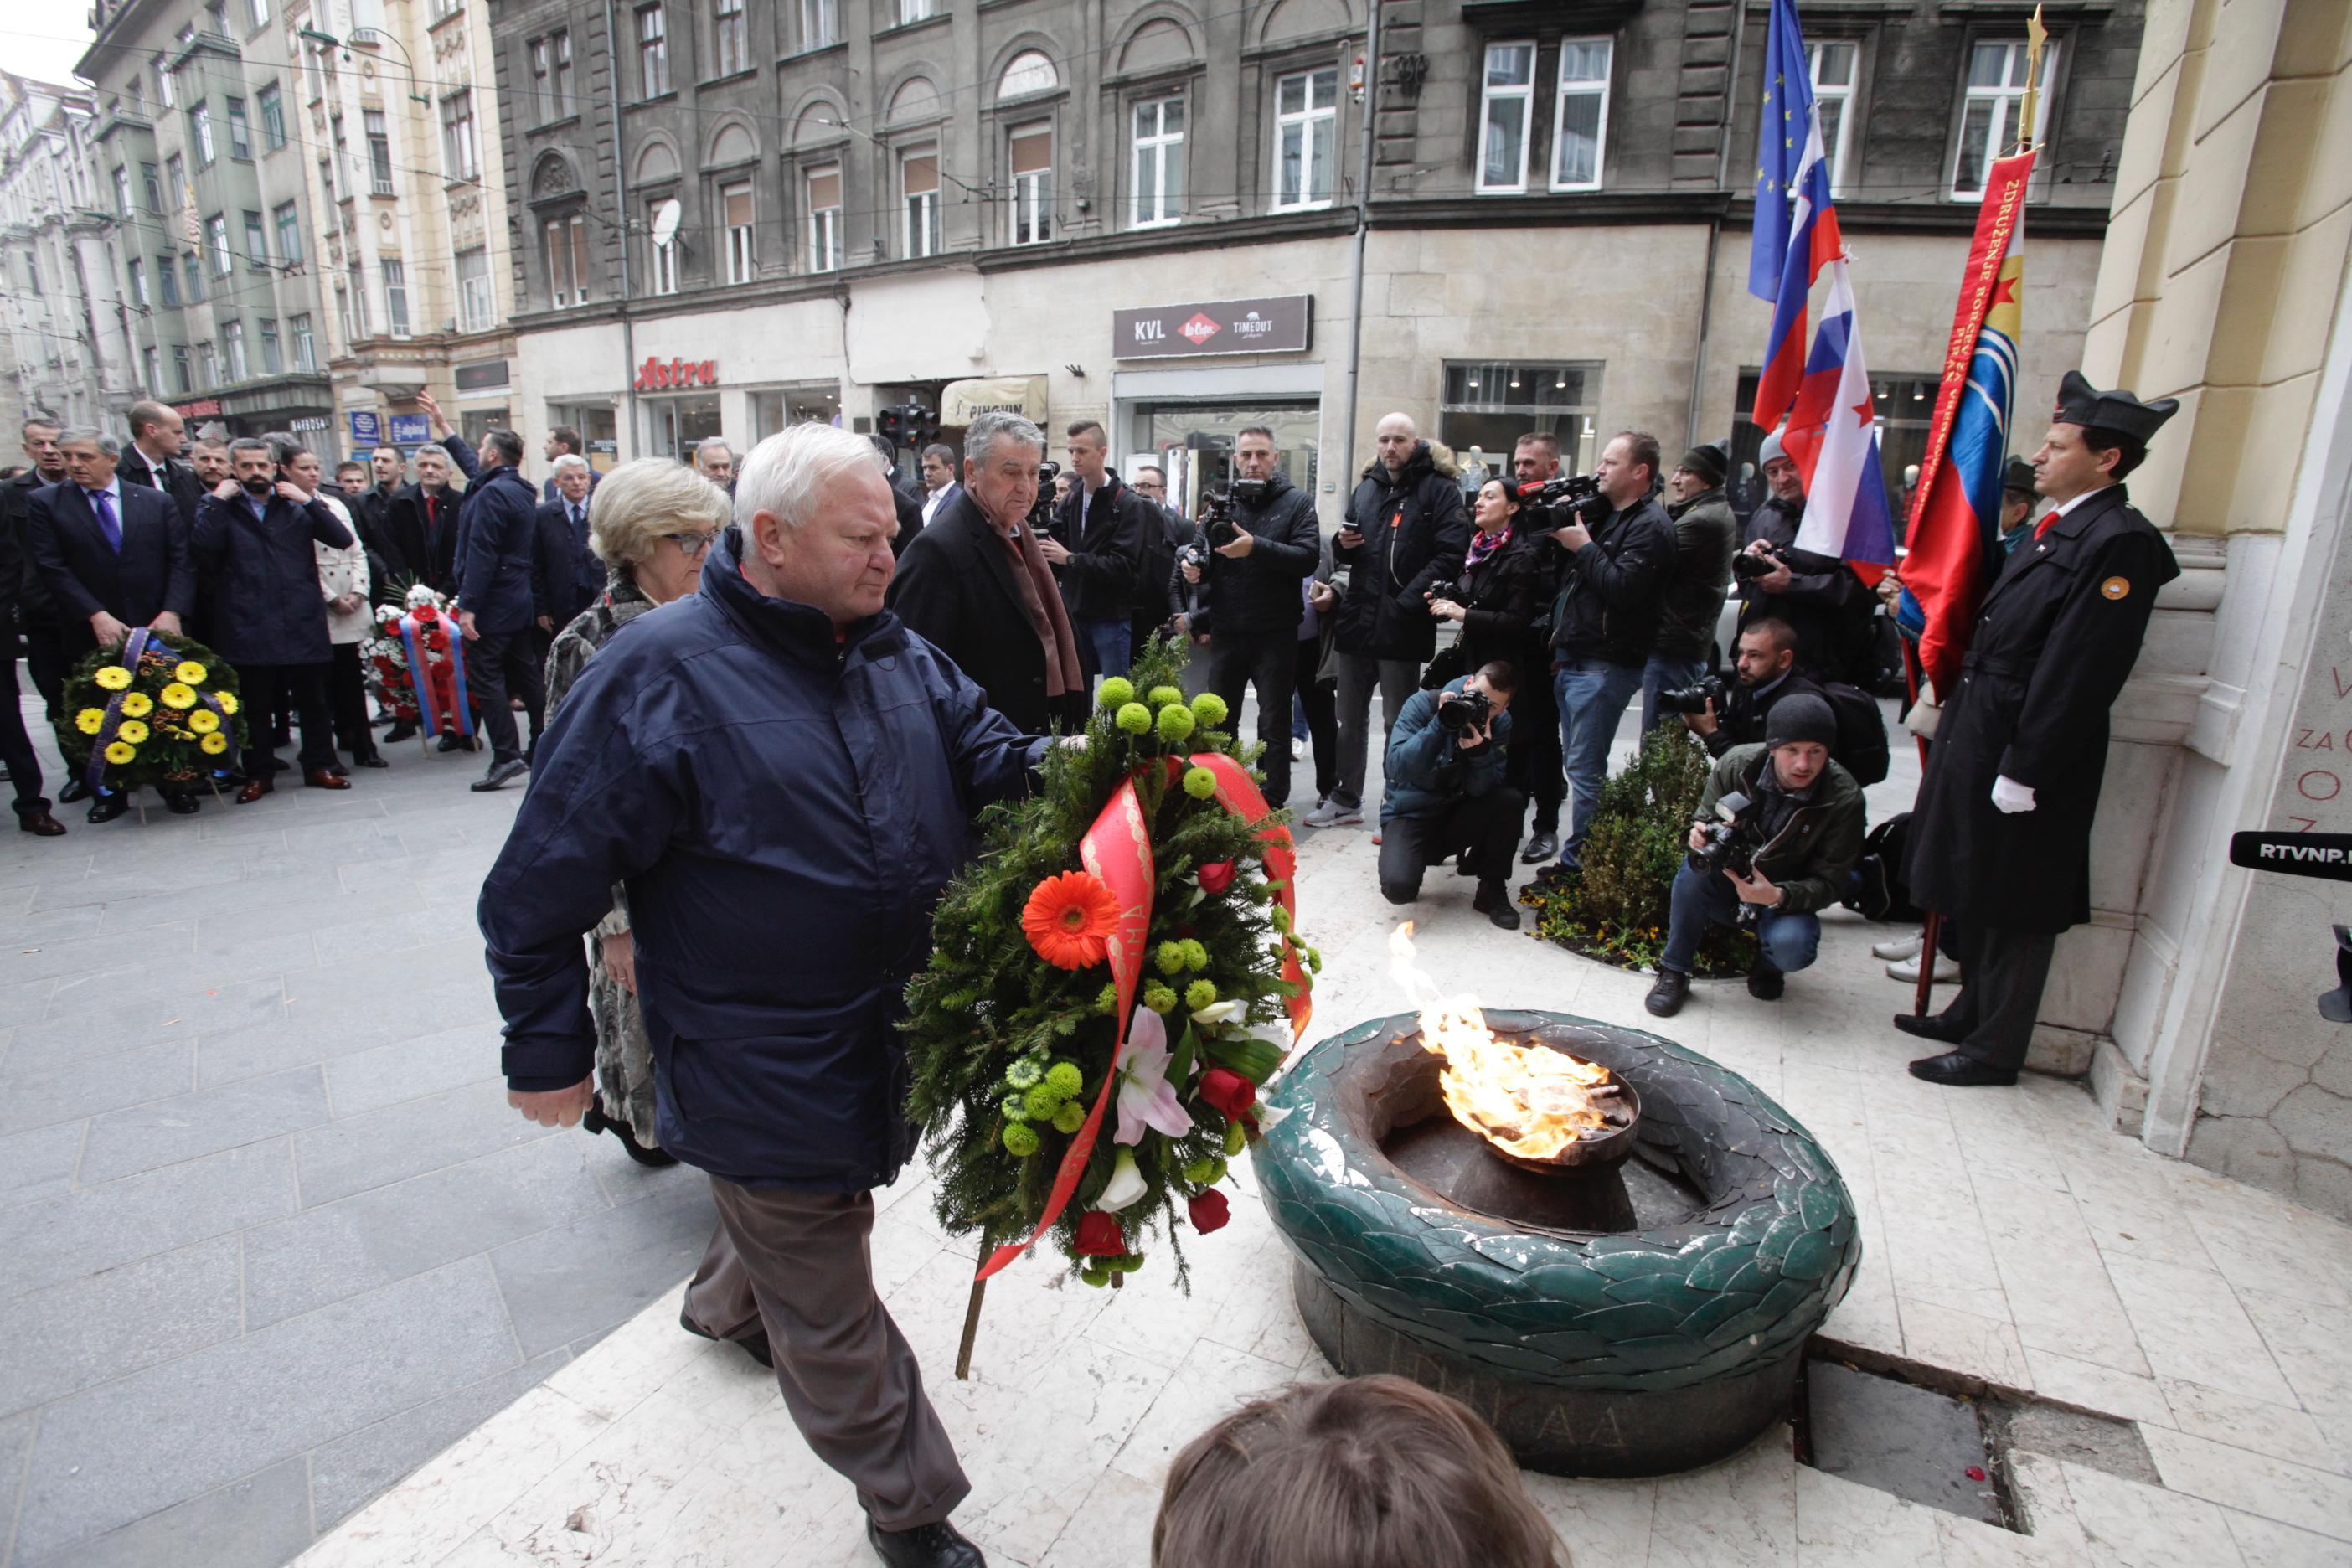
2001	837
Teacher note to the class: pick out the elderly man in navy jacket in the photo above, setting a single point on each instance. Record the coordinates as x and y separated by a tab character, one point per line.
785	778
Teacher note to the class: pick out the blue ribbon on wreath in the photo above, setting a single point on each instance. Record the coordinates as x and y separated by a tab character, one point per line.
94	772
420	678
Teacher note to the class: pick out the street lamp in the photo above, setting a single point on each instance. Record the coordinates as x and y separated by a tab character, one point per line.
375	37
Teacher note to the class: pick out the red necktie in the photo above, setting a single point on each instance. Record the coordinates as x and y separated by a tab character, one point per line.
2043	526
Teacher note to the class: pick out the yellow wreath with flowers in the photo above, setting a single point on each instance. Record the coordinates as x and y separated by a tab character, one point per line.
122	752
137	705
178	696
113	677
133	730
203	720
227	701
189	672
90	720
215	743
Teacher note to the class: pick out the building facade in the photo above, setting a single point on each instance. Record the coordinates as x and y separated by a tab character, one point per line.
727	218
62	335
299	226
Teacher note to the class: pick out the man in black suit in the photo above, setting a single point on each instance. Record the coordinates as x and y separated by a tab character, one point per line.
1097	550
575	574
420	524
158	440
24	767
113	556
939	487
387	469
975	584
36	615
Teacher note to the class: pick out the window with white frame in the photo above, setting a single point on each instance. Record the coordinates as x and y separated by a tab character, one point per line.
652	51
919	179
1580	131
1158	179
208	361
1508	111
150	361
259	10
1029	150
542	54
1834	65
200	128
361	326
396	298
565	253
151	181
820	23
1994	110
137	271
273	360
305	351
478	301
821	190
379	145
738	214
665	252
913	11
289	231
461	154
273	117
164	83
234	336
1305	132
729	36
240	132
216	240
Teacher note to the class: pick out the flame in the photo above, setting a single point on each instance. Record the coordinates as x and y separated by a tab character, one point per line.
1528	1102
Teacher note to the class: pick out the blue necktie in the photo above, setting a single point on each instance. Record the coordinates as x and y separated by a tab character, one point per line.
103	504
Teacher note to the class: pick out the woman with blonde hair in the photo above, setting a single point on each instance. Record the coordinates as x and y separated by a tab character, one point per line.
651	522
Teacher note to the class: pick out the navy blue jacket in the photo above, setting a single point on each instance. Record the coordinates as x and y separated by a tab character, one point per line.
574	574
266	605
498	540
785	811
1418	746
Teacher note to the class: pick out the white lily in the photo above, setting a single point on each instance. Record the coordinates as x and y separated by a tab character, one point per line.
1231	1011
1126	1184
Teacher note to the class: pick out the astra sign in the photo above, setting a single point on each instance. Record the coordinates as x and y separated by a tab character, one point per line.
655	375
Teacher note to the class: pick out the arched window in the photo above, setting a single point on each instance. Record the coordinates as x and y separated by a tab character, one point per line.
1030	73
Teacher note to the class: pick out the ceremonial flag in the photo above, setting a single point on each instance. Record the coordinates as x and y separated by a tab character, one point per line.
1810	238
1779	147
1956	512
1832	435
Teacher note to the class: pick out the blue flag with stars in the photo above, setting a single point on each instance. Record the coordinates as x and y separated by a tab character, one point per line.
1779	147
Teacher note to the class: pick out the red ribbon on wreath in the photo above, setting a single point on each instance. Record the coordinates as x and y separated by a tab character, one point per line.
1118	850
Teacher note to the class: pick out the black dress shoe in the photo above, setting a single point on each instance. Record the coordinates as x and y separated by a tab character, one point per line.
501	775
1666	997
75	788
756	1347
340	771
1766	983
937	1545
110	806
449	741
1543	846
1961	1071
399	733
1494	901
279	764
40	824
372	760
658	1158
1931	1026
178	803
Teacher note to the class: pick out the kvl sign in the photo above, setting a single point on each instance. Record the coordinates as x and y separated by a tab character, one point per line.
657	375
1270	326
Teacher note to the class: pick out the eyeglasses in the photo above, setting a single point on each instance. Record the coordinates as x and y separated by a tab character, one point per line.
693	546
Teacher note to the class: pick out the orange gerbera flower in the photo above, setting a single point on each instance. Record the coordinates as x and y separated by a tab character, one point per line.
1069	920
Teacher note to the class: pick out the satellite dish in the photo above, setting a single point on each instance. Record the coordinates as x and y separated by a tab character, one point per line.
665	220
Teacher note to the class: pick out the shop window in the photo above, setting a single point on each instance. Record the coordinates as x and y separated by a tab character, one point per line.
919	174
1030	150
1159	178
1306	133
737	210
1833	65
1993	108
1579	132
1508	111
776	410
1192	443
675	425
1490	405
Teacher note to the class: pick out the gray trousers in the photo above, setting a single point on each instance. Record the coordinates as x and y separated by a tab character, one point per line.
798	1267
1397	679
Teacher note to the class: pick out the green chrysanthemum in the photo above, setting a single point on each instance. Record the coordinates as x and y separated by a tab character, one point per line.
1015	1107
1095	1275
1020	1141
1127	1265
1205	1172
1175	723
1134	718
1195	955
1043	1101
1162	696
1210	709
1106	999
1025	1072
1170	958
1200	995
1116	692
1158	998
1070	1118
1237	1139
1066	1078
1200	782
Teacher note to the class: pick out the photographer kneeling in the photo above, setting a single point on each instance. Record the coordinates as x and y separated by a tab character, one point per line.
1445	793
1794	830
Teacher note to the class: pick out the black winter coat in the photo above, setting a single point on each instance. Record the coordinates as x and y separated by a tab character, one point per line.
1415	527
1613	590
152	573
268	607
21	587
1825	604
571	574
2053	646
419	550
773	945
1507	601
1259	591
910	508
1707	536
181	484
498	562
955	590
1098	581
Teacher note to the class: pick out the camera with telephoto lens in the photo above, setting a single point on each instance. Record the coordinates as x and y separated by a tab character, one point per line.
1041	510
1549	504
1730	844
1747	568
1459	711
1694	698
1217	509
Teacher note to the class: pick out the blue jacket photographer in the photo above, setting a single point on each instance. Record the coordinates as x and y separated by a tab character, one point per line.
1447	796
1780	827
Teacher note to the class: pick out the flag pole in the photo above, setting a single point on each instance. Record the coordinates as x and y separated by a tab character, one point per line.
2036	38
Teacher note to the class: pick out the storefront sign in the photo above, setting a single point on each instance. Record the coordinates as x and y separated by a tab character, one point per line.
483	376
961	402
654	375
202	408
307	424
411	429
1270	326
367	427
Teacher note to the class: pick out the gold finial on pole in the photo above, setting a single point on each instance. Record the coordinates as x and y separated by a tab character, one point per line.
2036	38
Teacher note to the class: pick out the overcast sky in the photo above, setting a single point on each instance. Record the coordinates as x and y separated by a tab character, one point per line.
43	42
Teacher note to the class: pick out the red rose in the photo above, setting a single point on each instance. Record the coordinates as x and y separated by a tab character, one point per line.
1216	876
1228	1090
1098	1235
1209	1211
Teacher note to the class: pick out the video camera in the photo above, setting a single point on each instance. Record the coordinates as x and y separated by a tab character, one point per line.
1694	698
1217	509
1041	510
1549	504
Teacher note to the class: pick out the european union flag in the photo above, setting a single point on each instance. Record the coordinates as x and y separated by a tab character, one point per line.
1779	147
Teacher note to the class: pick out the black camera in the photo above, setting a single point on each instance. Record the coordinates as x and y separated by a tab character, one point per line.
1217	509
1461	711
1449	590
1747	568
1549	504
1041	510
1694	698
1731	845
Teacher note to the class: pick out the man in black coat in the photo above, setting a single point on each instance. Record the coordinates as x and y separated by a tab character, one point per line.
1605	621
1250	604
372	512
1096	550
975	586
1818	594
158	440
420	522
23	765
497	534
257	532
2001	837
1405	530
573	572
36	614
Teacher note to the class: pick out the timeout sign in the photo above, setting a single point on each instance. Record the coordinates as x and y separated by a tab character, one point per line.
2327	855
1279	324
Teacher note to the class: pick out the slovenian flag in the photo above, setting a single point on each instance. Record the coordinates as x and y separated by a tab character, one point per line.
1832	435
1790	248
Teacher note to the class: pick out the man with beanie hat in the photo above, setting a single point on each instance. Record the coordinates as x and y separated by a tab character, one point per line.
1706	536
2001	837
1801	816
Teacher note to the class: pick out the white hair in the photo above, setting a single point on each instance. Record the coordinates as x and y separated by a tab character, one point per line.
703	448
568	461
783	474
980	435
90	435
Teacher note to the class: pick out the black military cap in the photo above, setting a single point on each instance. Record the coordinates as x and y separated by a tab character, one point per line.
2080	402
2018	478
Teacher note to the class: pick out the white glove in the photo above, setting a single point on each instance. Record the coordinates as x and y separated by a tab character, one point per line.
2010	795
